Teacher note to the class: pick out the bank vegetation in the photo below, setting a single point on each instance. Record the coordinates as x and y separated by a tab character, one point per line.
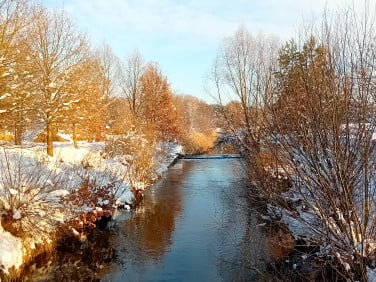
82	131
305	121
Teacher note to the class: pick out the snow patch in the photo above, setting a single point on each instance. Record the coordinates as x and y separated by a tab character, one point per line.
11	251
57	177
371	275
16	214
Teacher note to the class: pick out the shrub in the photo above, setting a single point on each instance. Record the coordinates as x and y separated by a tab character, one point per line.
199	143
88	204
29	195
136	153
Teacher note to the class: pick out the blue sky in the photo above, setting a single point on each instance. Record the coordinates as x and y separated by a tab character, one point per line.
183	36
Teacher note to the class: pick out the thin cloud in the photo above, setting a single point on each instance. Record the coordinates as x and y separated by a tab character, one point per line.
184	35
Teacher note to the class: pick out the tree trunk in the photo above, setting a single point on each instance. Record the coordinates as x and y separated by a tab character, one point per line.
17	135
50	149
74	137
18	129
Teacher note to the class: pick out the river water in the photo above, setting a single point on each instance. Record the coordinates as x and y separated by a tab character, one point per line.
193	225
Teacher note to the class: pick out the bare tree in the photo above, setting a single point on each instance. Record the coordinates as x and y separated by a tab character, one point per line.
111	67
322	125
16	98
130	84
56	48
242	73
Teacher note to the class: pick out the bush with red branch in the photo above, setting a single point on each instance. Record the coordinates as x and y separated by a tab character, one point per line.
89	204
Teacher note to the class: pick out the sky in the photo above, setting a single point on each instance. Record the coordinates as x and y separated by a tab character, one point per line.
184	36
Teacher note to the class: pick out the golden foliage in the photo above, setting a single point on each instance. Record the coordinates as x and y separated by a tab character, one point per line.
6	136
200	143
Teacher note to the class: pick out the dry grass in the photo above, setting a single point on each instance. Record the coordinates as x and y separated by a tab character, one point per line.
200	143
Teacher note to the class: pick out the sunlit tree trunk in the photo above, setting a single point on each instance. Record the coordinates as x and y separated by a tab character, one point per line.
49	137
74	137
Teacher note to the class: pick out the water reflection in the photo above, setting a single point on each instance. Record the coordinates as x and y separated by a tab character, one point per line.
148	232
195	225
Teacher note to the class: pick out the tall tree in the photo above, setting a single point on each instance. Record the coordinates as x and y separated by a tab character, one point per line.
56	49
242	72
87	110
130	82
305	78
15	97
324	120
110	68
158	110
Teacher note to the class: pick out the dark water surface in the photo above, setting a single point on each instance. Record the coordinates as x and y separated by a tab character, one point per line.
193	225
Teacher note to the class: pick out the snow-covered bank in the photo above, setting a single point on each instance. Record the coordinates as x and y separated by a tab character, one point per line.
11	251
39	194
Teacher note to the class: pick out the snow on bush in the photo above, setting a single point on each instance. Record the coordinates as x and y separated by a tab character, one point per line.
28	196
88	204
11	251
29	208
40	196
34	190
136	153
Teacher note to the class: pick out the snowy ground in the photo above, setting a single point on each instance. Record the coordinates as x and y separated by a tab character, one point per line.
51	179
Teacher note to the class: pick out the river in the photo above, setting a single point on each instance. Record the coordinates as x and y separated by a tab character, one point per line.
195	224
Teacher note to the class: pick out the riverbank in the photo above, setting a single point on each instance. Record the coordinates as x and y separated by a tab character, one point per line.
45	199
192	223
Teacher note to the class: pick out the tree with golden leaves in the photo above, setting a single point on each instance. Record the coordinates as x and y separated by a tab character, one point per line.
16	97
87	112
158	110
56	48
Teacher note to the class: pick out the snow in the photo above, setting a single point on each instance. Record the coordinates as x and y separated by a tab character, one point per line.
11	251
371	275
13	191
347	266
75	232
173	149
102	202
5	96
300	224
16	214
55	177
